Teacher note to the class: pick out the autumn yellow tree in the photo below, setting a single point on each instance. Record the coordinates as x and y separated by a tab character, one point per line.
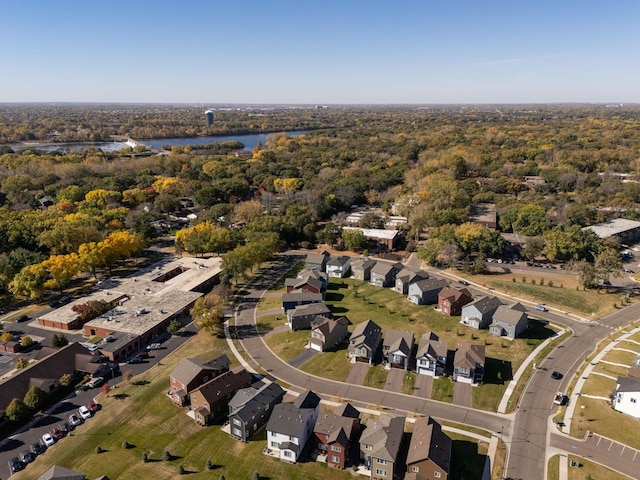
29	282
61	269
101	197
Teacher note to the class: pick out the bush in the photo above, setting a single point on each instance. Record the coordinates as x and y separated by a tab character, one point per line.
166	456
126	445
99	449
524	279
550	283
181	469
533	281
209	465
256	476
145	457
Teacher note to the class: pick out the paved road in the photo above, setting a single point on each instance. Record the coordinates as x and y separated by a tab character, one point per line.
602	450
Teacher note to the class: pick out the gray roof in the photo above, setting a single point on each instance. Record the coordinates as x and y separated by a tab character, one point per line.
429	284
338	261
628	384
431	347
263	396
60	473
346	410
383	268
366	333
362	263
509	314
385	436
613	227
287	418
189	368
336	427
428	441
485	304
411	274
399	340
317	257
327	325
307	399
301	296
311	309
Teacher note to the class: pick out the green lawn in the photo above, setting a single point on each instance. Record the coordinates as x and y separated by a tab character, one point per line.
267	303
442	389
408	383
287	344
599	386
148	420
591	470
553	468
376	376
333	365
620	356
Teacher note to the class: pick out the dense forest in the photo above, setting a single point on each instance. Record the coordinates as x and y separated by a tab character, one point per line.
65	213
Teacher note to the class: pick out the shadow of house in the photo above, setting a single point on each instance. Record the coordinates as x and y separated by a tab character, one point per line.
497	372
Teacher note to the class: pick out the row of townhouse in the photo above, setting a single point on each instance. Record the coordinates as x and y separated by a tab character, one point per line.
431	356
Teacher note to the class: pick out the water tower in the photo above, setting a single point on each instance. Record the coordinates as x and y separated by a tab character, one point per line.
208	115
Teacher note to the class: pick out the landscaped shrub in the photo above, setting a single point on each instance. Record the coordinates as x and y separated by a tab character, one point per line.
209	465
166	456
256	476
126	445
181	469
145	457
98	449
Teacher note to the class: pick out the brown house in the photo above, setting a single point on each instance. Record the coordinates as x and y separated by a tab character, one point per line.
211	400
335	432
327	333
192	373
451	300
429	451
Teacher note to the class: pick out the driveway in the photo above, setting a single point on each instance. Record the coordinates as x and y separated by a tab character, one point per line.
302	357
462	394
423	386
357	373
394	380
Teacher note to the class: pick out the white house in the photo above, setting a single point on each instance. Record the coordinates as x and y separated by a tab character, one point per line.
431	358
339	266
291	425
627	396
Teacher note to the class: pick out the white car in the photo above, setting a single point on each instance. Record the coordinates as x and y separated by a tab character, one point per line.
74	420
84	412
95	382
48	440
154	346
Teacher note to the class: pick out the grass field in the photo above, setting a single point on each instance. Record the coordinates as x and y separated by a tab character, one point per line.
376	376
599	386
442	389
620	356
333	365
148	420
592	470
553	468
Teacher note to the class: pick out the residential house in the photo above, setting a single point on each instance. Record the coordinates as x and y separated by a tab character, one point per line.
365	342
335	432
431	358
468	363
211	400
294	299
425	292
361	268
406	277
317	261
451	300
429	450
339	266
192	373
308	283
383	274
300	317
626	398
328	333
291	425
479	314
250	409
509	321
380	445
397	348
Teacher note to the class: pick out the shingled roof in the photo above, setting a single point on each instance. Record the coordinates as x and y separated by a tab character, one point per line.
385	436
428	441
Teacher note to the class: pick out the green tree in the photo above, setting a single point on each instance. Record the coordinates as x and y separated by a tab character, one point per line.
59	340
29	282
26	341
607	263
354	240
207	313
34	398
174	327
17	411
66	380
532	248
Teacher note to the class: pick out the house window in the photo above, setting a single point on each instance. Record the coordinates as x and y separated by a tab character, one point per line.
382	462
287	454
437	474
415	469
368	447
335	459
291	438
273	434
237	432
237	421
336	448
463	371
274	444
381	473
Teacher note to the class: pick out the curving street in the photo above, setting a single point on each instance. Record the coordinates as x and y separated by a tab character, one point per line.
526	432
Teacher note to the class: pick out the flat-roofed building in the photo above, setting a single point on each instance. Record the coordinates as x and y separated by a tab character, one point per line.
625	231
384	238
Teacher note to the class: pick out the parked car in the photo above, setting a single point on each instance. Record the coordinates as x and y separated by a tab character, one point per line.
154	346
628	270
15	465
463	282
556	375
56	433
95	382
92	406
65	299
23	318
540	308
135	360
37	448
26	457
48	439
54	304
84	412
74	420
143	355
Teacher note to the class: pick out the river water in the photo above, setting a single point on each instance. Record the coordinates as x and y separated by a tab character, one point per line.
249	142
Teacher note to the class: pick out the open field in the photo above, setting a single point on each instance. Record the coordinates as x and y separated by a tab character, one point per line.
333	365
563	294
151	423
620	356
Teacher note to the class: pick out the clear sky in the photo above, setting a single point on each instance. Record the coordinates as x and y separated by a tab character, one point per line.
321	51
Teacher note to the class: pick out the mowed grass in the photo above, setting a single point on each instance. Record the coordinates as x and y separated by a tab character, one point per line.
148	420
442	389
553	468
333	365
597	416
620	356
563	294
599	386
376	376
287	344
592	470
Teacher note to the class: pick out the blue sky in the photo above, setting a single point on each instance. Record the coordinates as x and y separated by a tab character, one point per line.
320	52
